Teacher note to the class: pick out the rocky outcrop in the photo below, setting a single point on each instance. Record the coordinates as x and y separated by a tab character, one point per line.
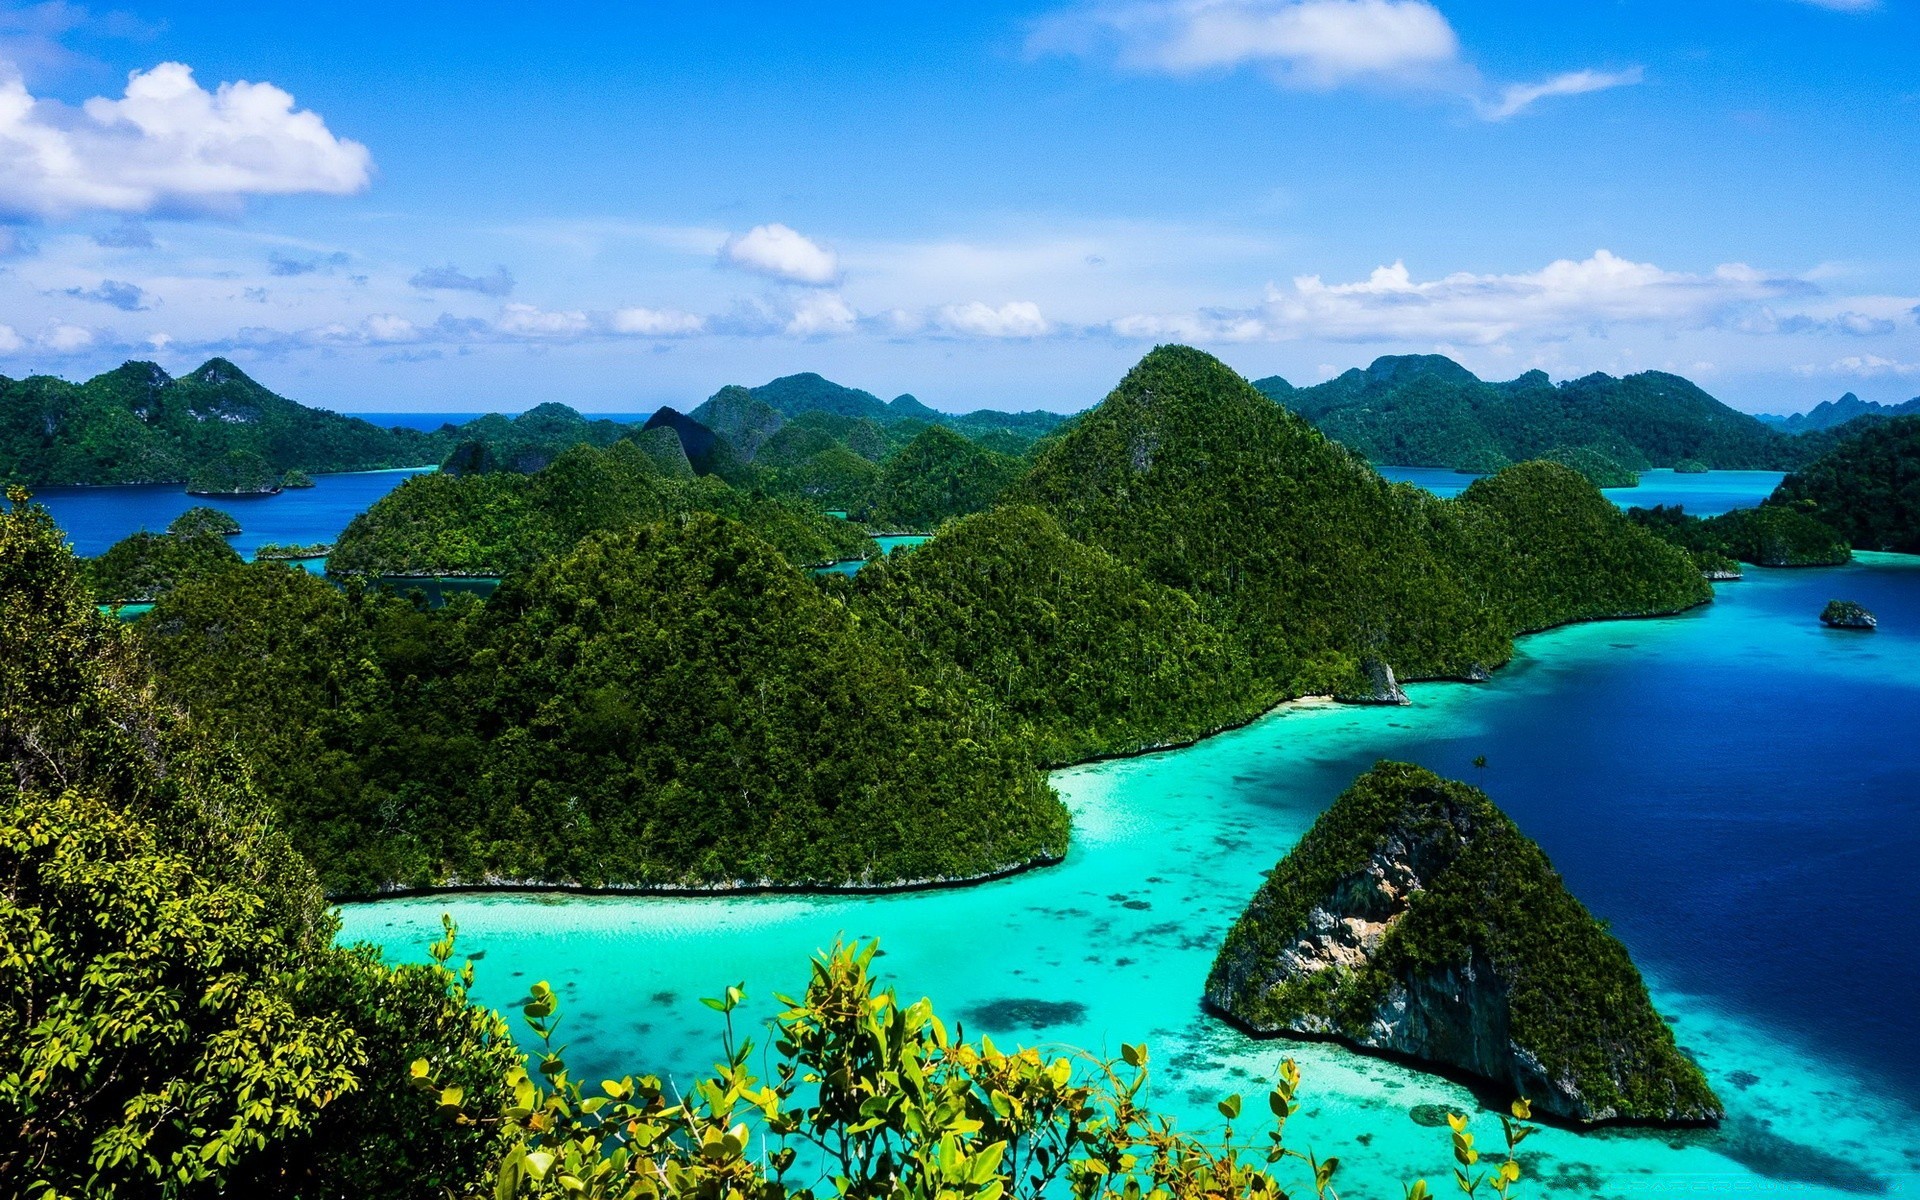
1845	614
1415	919
1381	687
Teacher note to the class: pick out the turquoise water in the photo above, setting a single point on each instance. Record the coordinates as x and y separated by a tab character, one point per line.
888	544
1737	790
1706	495
94	518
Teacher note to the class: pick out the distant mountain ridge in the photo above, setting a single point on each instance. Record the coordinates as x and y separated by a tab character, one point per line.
137	424
1831	414
1429	411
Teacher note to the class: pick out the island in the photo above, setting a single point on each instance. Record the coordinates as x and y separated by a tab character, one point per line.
1415	918
235	473
1847	614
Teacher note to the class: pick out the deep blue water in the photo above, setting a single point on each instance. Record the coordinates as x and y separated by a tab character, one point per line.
97	517
1706	495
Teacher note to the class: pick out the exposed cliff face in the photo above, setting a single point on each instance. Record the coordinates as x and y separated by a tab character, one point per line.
1414	918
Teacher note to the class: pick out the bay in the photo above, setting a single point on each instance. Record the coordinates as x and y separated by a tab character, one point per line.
1703	495
1737	790
94	518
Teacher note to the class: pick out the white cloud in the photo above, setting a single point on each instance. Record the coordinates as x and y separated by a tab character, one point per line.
526	321
781	253
655	322
1319	44
385	327
1015	319
67	339
1316	43
1870	365
167	143
10	340
1518	97
1560	300
818	315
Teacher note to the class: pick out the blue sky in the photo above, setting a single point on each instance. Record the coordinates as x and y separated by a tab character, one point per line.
464	207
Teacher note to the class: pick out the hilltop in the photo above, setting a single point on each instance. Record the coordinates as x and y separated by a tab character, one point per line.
1429	411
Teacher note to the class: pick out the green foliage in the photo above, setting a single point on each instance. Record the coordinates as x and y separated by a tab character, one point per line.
1083	652
296	478
145	566
235	473
1427	410
1690	466
1311	561
672	704
137	424
834	478
938	475
498	523
1483	898
1867	487
1847	614
202	519
1598	469
178	1022
1772	535
872	1097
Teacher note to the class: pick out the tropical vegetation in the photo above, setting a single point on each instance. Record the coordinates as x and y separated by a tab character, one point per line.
1867	488
1452	890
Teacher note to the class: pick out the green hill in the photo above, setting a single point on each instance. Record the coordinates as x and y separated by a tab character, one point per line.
1867	487
137	424
1414	917
1429	411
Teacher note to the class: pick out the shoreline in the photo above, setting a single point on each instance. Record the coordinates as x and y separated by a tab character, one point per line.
767	888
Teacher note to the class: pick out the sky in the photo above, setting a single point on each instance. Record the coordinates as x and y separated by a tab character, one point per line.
475	207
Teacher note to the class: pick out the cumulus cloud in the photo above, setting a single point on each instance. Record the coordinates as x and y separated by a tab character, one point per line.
167	143
10	340
1317	44
1870	365
656	322
781	253
822	314
1517	98
62	338
1015	319
451	279
1562	299
124	296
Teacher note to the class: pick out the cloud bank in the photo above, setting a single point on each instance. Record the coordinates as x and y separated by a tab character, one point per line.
167	144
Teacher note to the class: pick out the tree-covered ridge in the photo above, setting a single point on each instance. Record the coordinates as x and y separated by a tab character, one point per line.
1414	916
496	523
667	704
1867	488
137	424
1599	470
1313	563
1084	654
937	475
179	1022
1831	414
1772	535
1427	410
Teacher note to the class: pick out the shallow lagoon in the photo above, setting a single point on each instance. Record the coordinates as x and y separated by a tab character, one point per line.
1737	790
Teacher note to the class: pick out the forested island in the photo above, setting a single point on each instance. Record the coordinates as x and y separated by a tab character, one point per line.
1426	410
1414	917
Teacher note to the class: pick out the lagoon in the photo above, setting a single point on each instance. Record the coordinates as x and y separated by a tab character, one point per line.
1737	790
1706	495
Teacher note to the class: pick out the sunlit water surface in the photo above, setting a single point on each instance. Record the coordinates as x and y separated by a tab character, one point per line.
1737	790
